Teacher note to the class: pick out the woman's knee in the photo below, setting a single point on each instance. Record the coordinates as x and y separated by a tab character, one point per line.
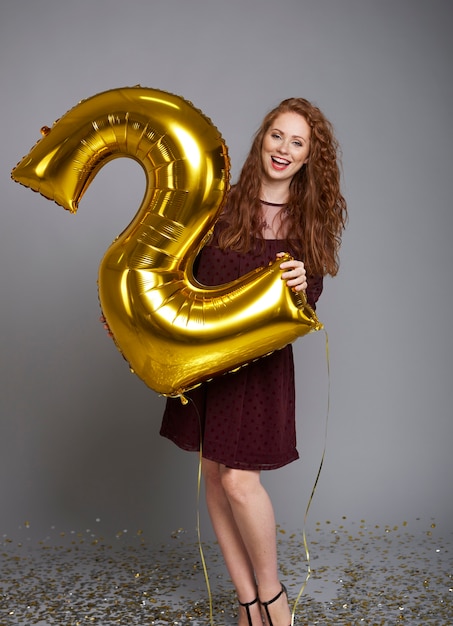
239	484
211	472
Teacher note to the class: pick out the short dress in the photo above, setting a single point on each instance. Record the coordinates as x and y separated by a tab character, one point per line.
246	418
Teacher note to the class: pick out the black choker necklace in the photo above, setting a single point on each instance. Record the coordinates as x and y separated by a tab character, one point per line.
273	203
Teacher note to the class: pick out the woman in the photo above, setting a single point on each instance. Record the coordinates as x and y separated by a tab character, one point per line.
287	199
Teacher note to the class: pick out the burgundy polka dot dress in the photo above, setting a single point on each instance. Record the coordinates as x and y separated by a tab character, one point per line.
247	417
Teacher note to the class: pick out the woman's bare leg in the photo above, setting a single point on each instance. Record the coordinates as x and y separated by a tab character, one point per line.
243	519
230	541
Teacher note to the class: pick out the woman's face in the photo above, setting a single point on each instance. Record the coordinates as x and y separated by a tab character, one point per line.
286	146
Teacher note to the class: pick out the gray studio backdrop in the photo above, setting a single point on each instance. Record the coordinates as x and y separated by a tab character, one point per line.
79	444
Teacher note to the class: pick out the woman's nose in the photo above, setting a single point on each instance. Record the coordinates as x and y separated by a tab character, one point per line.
283	147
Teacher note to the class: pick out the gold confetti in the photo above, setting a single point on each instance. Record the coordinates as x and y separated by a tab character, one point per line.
390	574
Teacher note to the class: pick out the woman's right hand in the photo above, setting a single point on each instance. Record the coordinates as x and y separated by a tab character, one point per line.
294	273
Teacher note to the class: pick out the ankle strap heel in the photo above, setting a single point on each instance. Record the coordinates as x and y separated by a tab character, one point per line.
247	606
274	599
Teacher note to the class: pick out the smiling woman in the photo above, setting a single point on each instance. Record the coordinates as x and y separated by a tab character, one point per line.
287	199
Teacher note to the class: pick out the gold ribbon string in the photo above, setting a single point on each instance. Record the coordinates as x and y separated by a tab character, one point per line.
200	546
304	535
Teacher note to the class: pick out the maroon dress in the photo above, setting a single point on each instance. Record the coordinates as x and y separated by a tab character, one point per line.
247	417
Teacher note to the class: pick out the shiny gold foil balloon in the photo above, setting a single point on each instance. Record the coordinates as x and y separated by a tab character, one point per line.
173	331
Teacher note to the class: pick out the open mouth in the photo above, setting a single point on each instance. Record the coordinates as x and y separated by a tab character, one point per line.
279	163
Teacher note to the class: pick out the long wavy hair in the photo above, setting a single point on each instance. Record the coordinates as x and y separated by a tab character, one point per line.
316	214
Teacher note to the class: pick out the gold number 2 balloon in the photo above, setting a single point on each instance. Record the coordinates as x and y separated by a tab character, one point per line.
173	331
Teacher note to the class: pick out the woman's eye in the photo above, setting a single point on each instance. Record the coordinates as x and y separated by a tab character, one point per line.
298	144
275	136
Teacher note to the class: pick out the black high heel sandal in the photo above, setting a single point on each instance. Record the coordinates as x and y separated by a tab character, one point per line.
274	599
247	606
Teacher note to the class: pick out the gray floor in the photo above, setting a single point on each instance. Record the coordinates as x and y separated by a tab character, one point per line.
360	574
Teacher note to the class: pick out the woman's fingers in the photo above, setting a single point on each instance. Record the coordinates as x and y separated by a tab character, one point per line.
294	274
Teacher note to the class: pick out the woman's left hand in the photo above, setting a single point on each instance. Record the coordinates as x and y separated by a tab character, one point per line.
294	273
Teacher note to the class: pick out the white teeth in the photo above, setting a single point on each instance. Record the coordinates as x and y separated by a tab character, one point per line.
280	161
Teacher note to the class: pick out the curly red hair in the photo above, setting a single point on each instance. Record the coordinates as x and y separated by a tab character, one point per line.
317	211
